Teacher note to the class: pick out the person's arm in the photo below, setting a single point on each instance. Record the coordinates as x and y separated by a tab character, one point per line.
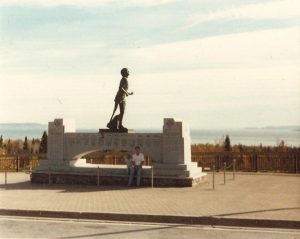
126	92
123	85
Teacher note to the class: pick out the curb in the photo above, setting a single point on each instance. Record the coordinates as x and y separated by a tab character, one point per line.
190	220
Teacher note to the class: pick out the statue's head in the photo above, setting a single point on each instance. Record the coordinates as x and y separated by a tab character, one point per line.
125	72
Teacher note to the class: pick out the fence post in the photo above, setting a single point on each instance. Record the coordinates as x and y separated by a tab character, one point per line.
49	175
18	163
233	175
256	162
98	176
5	176
218	163
296	163
115	159
152	174
224	173
214	169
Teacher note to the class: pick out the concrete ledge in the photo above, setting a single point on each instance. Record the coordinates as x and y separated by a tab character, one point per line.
119	180
191	220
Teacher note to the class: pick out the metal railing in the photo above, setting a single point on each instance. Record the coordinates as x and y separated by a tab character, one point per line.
225	167
284	162
19	162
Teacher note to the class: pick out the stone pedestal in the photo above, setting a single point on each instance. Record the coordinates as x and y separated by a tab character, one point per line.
170	151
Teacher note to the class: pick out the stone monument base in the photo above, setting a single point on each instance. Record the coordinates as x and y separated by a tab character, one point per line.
79	172
169	151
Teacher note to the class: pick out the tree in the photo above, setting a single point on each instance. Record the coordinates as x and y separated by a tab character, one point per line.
32	146
1	141
25	145
227	145
8	147
240	147
43	144
281	144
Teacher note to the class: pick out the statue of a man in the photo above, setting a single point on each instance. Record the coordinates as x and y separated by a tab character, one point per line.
116	123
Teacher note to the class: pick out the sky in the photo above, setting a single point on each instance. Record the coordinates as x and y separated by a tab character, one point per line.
213	64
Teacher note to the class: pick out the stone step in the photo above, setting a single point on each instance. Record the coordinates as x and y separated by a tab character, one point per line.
173	173
175	166
169	170
116	180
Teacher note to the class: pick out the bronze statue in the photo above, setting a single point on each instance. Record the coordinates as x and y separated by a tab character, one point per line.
116	123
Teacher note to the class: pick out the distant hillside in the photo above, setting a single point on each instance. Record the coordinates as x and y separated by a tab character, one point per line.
20	130
289	127
293	127
21	125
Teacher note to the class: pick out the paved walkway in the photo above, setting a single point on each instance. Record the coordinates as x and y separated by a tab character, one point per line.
251	196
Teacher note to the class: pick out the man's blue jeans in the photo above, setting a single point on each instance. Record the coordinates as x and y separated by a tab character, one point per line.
138	171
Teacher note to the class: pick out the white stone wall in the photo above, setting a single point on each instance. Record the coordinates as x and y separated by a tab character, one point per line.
176	142
55	142
79	144
172	146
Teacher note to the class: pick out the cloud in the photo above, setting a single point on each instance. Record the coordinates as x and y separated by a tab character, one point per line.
27	53
71	51
269	10
264	48
53	3
86	3
149	2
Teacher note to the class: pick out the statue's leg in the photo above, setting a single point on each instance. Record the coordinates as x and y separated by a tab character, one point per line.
115	108
122	110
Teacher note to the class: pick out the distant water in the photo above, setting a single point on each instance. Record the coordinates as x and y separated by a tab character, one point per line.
19	131
267	137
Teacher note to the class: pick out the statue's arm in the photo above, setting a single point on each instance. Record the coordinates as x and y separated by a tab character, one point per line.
126	92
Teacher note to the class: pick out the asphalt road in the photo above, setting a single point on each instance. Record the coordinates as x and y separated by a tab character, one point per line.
16	227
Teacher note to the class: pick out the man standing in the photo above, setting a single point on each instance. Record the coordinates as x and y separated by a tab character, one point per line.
138	160
120	100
